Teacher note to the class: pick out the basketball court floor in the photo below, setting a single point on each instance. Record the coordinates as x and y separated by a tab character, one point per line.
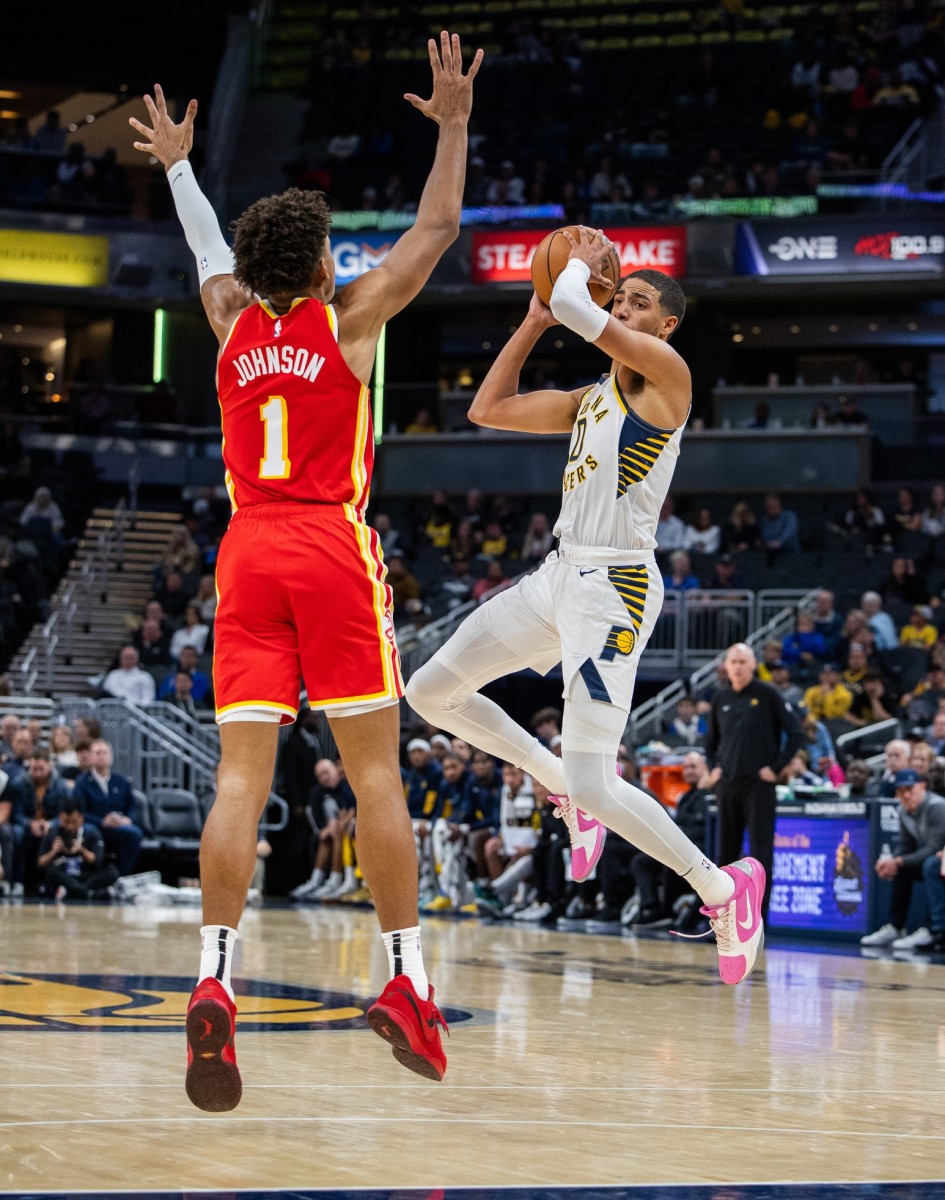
583	1066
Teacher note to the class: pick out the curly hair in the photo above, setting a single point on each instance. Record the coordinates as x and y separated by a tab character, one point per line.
278	241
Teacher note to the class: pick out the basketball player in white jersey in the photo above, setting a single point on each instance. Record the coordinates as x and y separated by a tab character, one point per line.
593	603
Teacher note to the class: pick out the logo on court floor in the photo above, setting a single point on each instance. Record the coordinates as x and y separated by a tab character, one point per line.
159	1003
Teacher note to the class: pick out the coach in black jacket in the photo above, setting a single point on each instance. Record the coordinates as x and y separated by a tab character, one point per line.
753	734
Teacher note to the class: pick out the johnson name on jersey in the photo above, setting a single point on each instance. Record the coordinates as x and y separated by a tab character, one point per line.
296	420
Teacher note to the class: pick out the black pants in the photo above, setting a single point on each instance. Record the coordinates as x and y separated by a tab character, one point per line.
7	843
747	803
615	871
900	899
548	871
659	886
78	886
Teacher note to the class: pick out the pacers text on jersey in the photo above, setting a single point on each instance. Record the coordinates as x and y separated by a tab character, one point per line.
278	360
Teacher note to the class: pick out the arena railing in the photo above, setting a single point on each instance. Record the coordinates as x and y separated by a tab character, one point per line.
28	708
57	637
648	719
155	755
204	733
889	729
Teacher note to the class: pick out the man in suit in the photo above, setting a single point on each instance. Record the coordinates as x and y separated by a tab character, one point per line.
110	806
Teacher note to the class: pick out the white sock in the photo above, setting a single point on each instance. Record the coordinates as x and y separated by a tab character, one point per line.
318	877
216	954
713	885
350	879
334	880
546	767
405	957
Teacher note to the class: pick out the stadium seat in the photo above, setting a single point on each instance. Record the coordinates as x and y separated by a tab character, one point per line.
143	819
905	667
177	821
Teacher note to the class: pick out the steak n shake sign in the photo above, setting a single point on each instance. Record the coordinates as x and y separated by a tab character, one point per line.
507	257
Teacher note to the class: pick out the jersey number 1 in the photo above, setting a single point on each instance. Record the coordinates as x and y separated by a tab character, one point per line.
274	463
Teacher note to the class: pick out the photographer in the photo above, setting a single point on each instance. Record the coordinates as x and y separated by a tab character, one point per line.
72	857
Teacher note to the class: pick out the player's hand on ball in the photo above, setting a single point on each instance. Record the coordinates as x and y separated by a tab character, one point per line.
541	311
593	248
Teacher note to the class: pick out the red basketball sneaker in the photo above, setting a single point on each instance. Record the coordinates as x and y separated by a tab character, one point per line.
410	1025
213	1078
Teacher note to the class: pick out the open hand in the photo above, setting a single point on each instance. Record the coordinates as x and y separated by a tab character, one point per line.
452	90
593	248
166	141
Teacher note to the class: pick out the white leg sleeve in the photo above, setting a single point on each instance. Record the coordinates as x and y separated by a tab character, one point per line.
637	817
445	692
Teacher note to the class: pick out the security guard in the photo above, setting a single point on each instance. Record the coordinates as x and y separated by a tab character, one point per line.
746	748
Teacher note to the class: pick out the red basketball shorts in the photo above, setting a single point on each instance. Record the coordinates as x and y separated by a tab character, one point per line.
302	597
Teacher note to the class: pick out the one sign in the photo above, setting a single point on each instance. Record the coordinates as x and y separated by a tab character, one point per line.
822	875
358	252
884	242
54	259
507	257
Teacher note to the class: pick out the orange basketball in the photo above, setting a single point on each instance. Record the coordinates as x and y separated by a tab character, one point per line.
550	258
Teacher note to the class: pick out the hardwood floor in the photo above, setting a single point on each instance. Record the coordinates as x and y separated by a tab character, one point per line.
574	1060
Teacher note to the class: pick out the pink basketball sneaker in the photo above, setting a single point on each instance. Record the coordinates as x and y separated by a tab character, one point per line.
739	930
587	837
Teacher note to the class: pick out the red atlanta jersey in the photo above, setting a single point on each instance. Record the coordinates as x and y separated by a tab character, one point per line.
296	421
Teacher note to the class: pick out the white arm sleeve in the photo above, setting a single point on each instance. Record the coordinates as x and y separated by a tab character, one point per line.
572	305
201	228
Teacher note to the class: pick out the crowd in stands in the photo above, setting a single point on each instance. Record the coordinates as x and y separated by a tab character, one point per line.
168	655
757	107
450	551
45	170
445	551
762	104
67	820
35	542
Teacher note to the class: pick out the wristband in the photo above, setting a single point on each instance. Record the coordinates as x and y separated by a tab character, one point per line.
200	225
572	305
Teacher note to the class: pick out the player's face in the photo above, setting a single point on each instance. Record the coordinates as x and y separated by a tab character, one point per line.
637	305
452	769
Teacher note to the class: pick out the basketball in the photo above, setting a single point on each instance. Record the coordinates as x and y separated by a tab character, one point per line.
550	258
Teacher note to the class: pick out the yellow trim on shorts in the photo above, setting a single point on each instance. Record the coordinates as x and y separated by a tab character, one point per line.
359	481
268	705
391	673
352	699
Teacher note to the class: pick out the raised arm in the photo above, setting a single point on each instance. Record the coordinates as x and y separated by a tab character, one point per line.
497	404
645	353
222	297
379	294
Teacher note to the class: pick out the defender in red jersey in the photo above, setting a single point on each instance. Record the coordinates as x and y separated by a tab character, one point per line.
300	576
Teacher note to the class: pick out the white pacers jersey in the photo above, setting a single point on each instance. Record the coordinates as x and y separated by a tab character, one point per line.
617	475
